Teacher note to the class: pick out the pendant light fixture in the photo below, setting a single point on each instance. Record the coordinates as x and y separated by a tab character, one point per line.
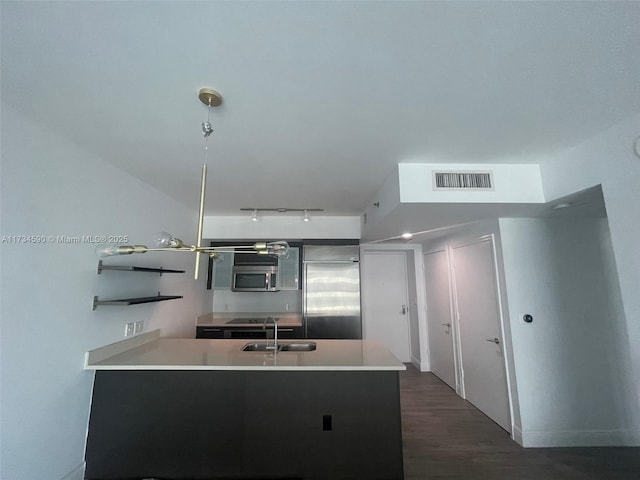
165	242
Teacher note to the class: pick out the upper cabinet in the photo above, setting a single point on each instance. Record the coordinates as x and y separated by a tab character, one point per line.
289	270
287	277
223	272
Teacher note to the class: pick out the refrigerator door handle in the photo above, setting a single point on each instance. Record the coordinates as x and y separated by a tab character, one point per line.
304	301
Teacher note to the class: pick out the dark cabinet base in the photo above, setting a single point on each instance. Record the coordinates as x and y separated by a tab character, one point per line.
232	425
209	332
247	332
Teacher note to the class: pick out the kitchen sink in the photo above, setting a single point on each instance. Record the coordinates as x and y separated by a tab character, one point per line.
282	347
297	347
257	347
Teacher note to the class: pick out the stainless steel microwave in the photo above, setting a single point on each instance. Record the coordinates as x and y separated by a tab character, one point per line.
254	278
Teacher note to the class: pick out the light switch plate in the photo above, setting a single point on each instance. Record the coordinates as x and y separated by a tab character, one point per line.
138	327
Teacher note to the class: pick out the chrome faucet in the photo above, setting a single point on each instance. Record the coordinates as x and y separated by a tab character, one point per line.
275	332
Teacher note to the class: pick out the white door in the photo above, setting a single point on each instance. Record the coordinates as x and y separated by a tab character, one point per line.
385	301
439	321
483	367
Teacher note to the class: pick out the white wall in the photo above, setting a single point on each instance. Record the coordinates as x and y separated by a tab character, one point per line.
608	159
51	187
386	199
570	363
280	227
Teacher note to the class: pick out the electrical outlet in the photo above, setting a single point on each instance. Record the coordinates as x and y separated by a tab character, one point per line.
138	327
128	329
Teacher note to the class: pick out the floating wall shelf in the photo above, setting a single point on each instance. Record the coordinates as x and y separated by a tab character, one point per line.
133	301
128	268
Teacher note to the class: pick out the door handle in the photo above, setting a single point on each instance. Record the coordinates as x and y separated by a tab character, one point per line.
403	310
493	340
446	325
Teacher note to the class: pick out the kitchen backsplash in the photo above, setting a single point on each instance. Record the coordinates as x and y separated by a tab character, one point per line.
228	301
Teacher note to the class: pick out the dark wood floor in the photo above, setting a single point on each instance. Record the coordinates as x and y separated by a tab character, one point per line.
445	437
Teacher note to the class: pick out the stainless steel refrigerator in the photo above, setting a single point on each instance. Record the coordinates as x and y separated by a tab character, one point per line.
331	292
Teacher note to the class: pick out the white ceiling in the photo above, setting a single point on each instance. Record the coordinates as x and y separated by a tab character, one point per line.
321	99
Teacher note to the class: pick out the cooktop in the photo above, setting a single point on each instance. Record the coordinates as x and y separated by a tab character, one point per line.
248	320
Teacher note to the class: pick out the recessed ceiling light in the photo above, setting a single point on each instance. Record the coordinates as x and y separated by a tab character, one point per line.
407	235
560	206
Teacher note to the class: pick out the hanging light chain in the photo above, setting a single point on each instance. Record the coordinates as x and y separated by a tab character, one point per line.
207	129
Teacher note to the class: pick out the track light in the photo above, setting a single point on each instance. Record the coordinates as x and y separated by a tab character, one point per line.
305	211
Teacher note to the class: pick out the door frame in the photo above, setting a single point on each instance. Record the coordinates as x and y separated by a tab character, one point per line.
455	332
502	319
413	256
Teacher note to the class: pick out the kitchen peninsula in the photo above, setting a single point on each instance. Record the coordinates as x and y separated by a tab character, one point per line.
206	409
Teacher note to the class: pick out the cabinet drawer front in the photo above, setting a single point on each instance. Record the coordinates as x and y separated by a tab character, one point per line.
209	332
290	332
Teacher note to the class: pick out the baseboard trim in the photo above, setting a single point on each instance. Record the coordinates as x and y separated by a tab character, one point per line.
516	435
583	438
75	474
422	366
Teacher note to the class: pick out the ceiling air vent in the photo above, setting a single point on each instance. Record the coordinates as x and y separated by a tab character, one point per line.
462	180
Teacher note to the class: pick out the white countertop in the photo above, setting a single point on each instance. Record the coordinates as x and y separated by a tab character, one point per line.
219	319
148	352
